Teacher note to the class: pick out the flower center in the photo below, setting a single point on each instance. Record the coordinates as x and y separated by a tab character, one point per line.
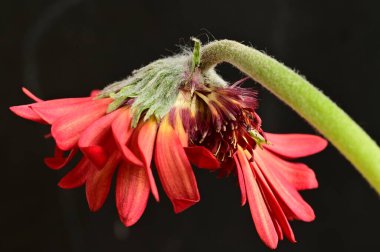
218	117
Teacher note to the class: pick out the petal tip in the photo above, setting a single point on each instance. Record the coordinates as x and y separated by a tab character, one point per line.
25	111
270	242
30	94
181	205
95	205
53	163
128	222
61	185
156	196
243	202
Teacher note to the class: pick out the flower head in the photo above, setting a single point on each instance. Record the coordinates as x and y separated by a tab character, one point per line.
175	115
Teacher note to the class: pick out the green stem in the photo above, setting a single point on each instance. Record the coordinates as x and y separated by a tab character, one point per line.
322	113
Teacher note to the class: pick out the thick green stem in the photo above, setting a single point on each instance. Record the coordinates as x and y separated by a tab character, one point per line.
322	113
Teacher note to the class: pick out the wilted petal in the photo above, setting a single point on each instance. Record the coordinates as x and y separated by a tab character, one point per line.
96	154
77	176
99	181
278	229
202	157
51	110
144	138
284	190
174	169
26	112
67	129
259	210
132	192
277	212
295	145
92	140
122	131
243	189
297	174
59	161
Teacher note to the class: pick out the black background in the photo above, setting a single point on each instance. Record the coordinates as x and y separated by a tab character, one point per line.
65	48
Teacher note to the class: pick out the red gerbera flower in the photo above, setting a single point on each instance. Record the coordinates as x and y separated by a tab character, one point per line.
173	113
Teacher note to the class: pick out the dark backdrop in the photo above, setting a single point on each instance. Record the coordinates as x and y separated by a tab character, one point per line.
65	48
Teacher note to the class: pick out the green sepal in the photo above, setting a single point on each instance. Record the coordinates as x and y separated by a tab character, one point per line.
115	104
153	88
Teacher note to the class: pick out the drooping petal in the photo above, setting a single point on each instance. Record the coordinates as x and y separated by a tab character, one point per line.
30	95
143	140
202	157
259	210
275	207
99	181
96	154
278	229
287	194
132	192
59	161
122	130
243	189
77	176
51	110
26	112
92	141
67	129
297	174
295	145
174	169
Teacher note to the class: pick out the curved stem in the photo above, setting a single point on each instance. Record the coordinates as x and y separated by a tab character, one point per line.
304	98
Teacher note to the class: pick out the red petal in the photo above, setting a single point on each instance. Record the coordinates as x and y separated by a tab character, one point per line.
274	205
243	190
132	192
297	174
174	169
96	154
30	95
99	181
144	138
58	162
26	112
51	110
181	205
77	176
202	157
278	229
284	190
122	130
259	210
92	140
67	129
295	145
